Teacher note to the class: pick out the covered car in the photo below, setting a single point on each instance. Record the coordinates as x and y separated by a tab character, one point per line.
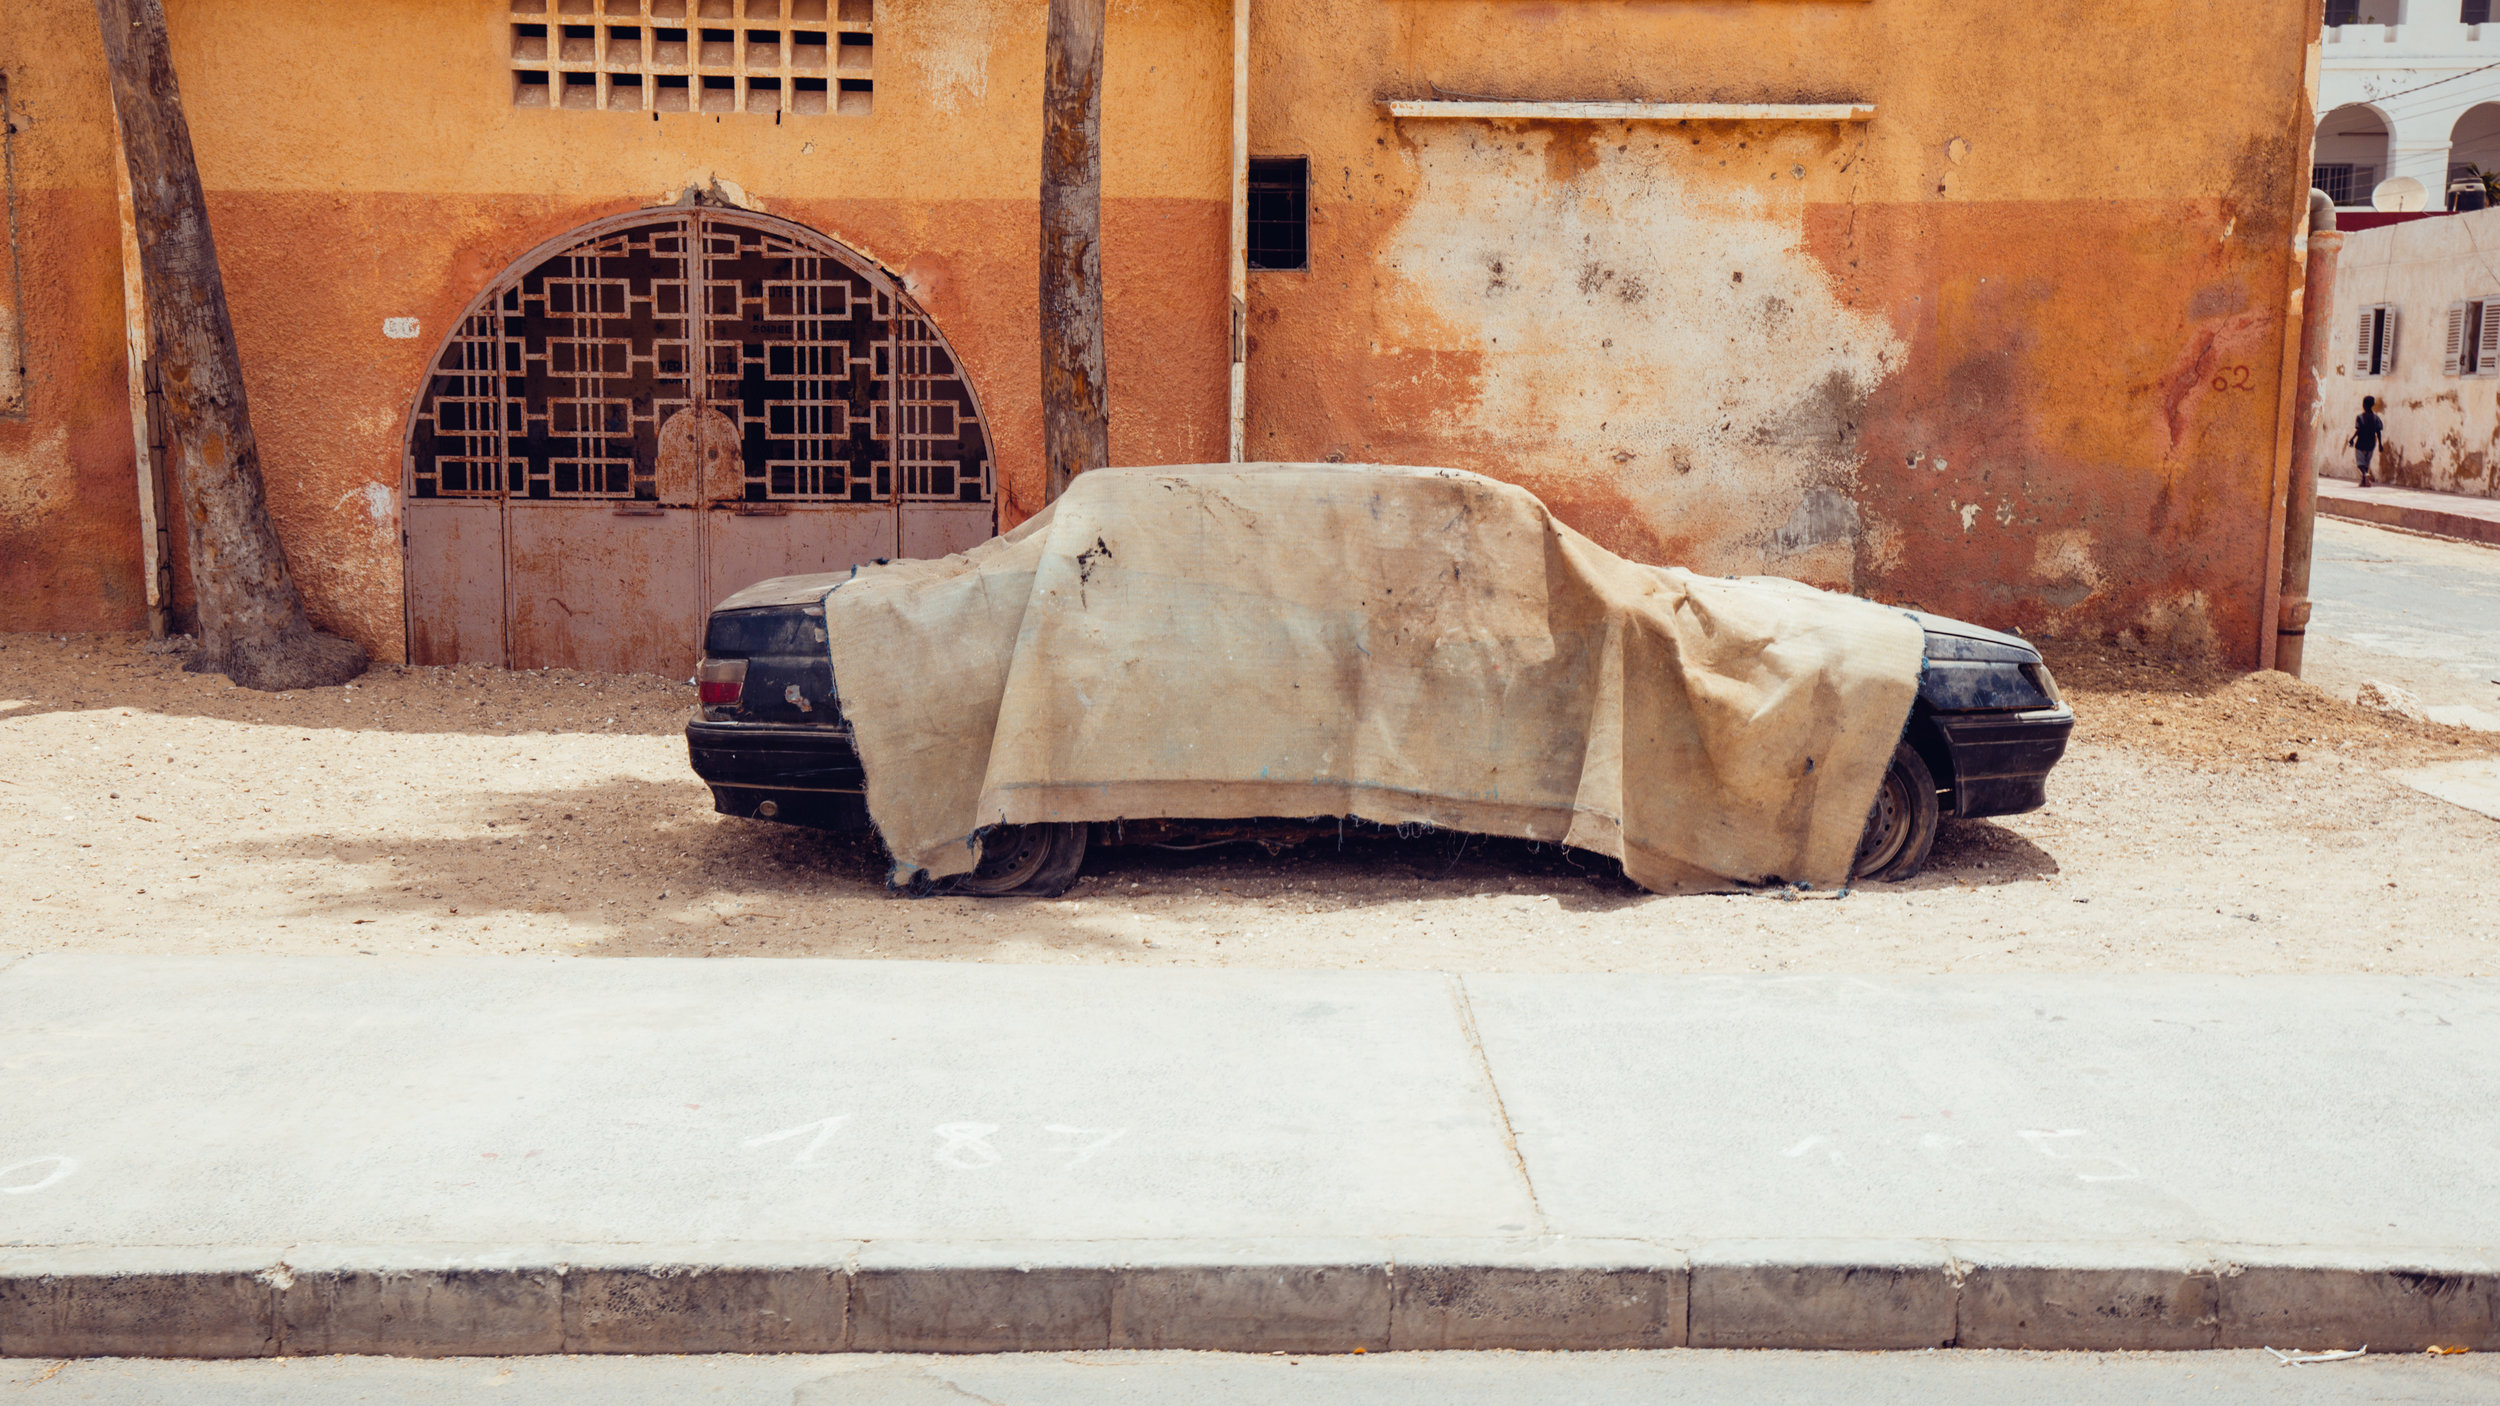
1231	643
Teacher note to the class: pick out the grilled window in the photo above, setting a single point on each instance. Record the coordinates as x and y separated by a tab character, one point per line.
2344	182
589	374
1280	211
761	56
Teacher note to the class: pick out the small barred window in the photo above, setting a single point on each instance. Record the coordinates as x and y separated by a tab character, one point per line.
804	57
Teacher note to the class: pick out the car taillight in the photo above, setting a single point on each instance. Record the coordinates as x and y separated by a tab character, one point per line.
719	682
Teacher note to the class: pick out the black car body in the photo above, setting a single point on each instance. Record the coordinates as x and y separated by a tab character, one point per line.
1988	720
771	742
769	738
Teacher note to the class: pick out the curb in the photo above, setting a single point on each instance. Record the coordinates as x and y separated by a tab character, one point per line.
2428	521
1704	1301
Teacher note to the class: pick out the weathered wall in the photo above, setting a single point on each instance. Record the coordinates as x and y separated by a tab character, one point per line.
2443	431
2011	350
69	501
365	163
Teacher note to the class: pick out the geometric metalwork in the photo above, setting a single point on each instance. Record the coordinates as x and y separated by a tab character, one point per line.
836	387
940	442
792	344
663	407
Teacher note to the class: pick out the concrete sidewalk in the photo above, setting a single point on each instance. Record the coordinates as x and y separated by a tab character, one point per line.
2455	515
241	1156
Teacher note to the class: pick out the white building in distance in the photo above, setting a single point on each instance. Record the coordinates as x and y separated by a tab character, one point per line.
2417	325
2410	90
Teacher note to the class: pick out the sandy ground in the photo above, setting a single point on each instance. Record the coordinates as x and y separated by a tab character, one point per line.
143	809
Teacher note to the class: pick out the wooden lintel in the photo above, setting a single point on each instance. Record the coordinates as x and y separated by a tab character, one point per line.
1632	112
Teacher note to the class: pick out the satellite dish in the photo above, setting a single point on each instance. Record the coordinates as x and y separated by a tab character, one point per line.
2401	193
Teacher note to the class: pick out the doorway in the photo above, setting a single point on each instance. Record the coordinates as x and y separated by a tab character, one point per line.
659	409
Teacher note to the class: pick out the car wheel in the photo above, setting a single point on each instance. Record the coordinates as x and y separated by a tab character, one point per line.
1901	825
1040	861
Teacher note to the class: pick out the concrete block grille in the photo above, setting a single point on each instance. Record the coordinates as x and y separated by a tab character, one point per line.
803	57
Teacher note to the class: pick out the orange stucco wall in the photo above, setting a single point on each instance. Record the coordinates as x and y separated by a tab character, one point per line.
2011	350
69	502
365	163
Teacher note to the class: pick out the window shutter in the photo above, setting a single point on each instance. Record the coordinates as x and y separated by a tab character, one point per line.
2387	341
2453	362
2487	349
2362	349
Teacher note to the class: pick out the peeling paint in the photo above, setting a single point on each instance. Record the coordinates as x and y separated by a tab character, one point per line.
32	484
953	55
1824	517
2181	625
1737	347
379	502
1727	402
1881	546
2063	564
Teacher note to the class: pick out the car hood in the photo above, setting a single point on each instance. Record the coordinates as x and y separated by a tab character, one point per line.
1963	629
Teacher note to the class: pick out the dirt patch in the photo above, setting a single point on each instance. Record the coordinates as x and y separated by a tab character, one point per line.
452	811
2199	715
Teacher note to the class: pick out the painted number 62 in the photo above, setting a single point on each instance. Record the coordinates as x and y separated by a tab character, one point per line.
2234	378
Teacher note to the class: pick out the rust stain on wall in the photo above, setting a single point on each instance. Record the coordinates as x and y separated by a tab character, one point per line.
2050	456
2008	357
1593	310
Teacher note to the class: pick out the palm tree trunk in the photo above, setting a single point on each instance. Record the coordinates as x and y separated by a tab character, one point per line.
1076	402
252	625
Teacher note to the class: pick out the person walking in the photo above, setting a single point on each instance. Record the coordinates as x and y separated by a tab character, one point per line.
2367	429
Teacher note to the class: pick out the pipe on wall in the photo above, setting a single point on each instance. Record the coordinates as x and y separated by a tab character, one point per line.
1238	276
2300	513
135	342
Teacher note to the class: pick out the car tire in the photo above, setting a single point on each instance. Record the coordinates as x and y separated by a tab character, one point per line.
1901	824
1032	861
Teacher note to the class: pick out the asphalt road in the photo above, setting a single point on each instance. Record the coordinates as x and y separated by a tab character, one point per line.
1210	1379
2417	611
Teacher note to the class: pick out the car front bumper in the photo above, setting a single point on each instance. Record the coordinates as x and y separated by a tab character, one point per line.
796	773
2001	761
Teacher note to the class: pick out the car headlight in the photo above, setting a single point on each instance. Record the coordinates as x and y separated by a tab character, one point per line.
2047	681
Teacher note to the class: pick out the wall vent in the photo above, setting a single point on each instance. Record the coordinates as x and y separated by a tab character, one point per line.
718	56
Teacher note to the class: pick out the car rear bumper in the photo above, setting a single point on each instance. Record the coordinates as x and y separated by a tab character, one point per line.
800	774
2001	761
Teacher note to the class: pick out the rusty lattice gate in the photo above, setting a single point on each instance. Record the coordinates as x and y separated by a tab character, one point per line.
660	409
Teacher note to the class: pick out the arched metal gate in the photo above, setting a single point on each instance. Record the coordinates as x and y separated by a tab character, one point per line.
659	409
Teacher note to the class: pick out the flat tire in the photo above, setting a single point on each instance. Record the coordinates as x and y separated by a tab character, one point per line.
1025	861
1901	824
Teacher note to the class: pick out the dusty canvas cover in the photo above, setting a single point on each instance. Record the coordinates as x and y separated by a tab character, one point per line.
1396	644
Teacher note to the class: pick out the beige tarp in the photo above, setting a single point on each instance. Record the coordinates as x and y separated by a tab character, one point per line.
1395	644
